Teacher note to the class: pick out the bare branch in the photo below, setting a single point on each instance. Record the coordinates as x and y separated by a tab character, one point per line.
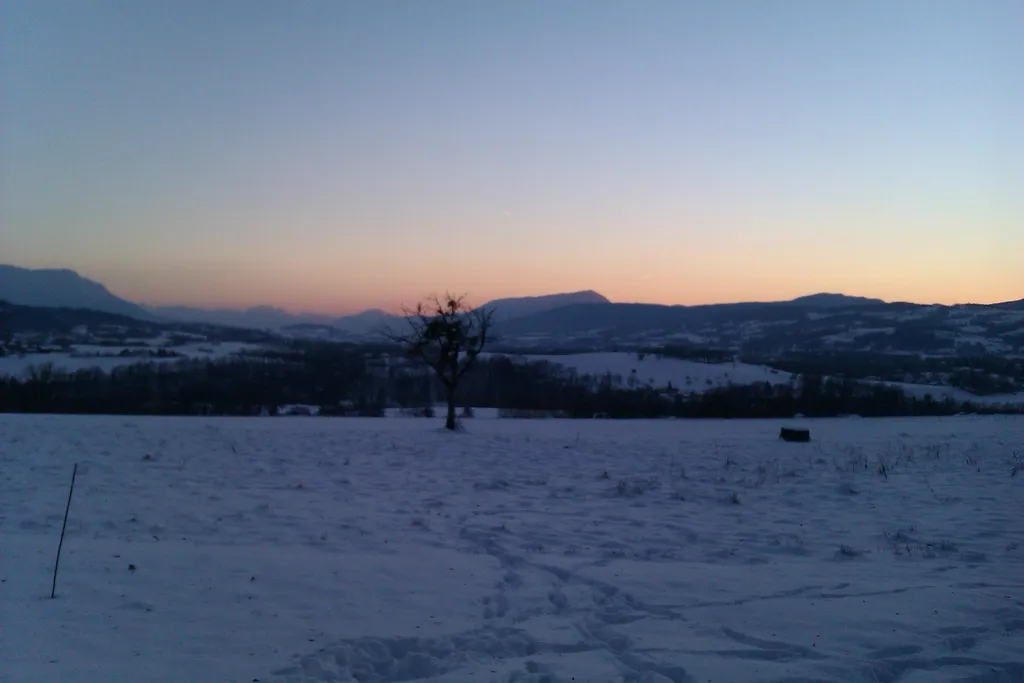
448	336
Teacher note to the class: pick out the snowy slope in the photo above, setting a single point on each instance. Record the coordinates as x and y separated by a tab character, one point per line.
693	376
386	550
659	372
941	392
106	358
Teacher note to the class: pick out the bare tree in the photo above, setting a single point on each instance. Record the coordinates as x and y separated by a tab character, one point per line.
447	335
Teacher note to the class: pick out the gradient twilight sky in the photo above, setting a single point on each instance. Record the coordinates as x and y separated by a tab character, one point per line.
329	156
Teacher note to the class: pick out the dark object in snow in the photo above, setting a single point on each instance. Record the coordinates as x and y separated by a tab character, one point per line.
787	434
53	589
131	567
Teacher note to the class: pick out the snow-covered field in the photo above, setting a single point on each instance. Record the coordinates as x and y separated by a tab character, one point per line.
627	368
106	358
942	392
692	376
210	550
658	372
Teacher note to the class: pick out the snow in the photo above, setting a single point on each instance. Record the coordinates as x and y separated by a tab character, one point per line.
919	313
962	395
18	366
991	345
387	550
659	371
193	350
692	375
853	334
688	337
441	408
297	409
106	358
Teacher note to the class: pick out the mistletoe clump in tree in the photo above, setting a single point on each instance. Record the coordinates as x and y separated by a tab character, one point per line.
447	335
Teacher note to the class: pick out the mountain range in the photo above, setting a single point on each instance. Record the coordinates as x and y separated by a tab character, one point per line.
61	288
56	288
266	317
587	320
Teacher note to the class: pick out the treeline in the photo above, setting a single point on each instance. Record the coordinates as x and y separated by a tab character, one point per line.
984	375
550	389
353	381
248	385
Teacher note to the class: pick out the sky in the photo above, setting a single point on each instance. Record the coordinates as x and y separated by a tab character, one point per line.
331	156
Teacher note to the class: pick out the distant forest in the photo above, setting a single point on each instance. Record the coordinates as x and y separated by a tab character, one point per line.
984	375
358	381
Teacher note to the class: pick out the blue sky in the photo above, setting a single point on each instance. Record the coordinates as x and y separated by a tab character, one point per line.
332	156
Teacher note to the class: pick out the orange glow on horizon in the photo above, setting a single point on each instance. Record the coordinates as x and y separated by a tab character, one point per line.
645	292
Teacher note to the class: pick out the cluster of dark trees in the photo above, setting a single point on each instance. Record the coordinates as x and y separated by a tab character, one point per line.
235	386
983	383
352	380
528	388
979	374
445	340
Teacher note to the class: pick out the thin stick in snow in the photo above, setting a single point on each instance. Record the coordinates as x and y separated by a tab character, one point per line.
53	590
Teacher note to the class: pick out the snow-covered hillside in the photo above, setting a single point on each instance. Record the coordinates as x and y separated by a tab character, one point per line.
940	393
692	376
381	551
659	372
106	358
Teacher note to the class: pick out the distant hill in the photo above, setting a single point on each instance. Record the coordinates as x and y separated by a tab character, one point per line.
370	321
59	288
508	309
366	322
258	317
816	324
46	321
16	318
826	300
1017	305
360	324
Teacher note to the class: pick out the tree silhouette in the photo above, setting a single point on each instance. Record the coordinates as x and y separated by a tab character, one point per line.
447	335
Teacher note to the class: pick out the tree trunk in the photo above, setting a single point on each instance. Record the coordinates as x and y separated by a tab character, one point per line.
449	422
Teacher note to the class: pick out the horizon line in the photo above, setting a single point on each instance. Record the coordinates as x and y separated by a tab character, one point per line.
295	311
298	310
